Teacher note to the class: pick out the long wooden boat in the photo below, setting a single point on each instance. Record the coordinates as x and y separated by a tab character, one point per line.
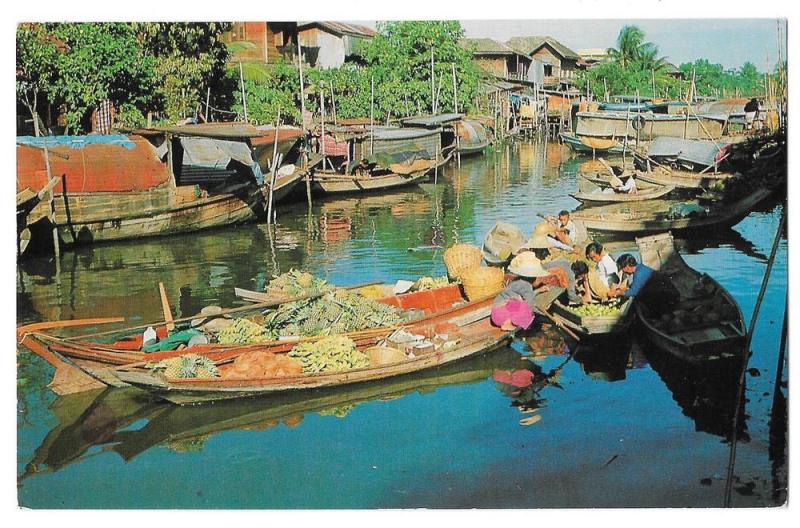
601	183
702	322
652	216
682	179
332	183
591	145
84	363
467	328
620	124
596	326
123	186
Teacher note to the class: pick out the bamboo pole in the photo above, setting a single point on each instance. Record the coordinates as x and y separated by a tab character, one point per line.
371	114
333	102
455	109
433	84
165	307
274	167
244	98
208	101
303	120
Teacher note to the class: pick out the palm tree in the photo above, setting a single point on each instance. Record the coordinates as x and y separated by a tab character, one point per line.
631	48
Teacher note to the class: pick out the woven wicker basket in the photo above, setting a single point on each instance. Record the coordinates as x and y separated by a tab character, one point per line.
461	257
482	282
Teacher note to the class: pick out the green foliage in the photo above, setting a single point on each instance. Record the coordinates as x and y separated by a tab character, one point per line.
36	65
713	79
189	58
100	61
636	78
267	90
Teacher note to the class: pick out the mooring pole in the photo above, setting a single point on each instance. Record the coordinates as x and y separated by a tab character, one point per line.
274	167
303	121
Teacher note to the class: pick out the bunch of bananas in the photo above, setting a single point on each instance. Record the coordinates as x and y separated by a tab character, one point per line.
431	283
296	283
331	354
243	331
186	366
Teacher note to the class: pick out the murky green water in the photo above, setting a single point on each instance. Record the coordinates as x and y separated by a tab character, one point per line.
623	426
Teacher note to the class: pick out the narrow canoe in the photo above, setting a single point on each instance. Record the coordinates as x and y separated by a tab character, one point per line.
651	216
468	327
596	326
82	364
682	179
645	190
590	145
704	322
328	183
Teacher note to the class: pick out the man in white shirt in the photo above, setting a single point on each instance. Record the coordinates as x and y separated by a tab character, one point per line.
606	267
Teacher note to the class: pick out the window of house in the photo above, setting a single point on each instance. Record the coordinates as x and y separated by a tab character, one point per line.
548	70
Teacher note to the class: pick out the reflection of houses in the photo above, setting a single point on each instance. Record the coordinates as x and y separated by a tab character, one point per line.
560	62
330	44
497	58
262	41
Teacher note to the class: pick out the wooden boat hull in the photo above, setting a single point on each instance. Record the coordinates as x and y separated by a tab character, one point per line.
100	217
339	184
604	220
700	342
683	179
621	124
644	194
187	392
575	144
596	327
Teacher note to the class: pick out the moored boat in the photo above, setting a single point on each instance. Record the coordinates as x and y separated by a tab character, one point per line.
591	145
152	182
473	137
462	332
599	190
659	215
646	125
698	319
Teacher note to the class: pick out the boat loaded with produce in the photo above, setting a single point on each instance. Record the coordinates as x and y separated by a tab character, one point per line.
296	311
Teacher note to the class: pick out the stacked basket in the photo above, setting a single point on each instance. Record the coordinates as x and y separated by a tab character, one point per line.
463	262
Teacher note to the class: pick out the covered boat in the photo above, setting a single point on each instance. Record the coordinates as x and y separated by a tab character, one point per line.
153	182
690	315
688	154
591	145
654	216
359	159
472	137
647	125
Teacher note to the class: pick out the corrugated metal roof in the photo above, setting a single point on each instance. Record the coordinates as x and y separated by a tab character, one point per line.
528	45
487	46
431	121
209	130
340	28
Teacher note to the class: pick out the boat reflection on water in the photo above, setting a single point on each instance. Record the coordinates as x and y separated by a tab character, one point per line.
109	419
706	392
606	361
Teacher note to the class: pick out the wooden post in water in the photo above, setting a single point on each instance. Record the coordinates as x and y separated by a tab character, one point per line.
244	99
371	114
52	208
322	116
303	122
274	167
455	110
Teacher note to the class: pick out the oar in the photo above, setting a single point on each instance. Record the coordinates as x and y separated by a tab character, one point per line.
165	307
558	322
250	295
47	325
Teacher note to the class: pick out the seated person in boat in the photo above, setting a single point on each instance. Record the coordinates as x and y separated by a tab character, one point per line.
606	267
559	232
513	307
639	274
589	288
625	184
557	268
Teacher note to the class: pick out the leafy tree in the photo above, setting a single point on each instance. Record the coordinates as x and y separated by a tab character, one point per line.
37	53
100	61
267	90
188	58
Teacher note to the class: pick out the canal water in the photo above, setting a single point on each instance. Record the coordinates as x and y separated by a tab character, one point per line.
622	426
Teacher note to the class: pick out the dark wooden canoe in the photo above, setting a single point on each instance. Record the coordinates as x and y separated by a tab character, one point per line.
468	327
697	335
331	183
682	179
651	216
590	145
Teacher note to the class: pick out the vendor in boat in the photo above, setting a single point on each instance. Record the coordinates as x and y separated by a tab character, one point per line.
557	232
639	275
606	267
513	307
624	184
588	287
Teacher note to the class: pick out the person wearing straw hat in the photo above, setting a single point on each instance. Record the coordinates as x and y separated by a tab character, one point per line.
211	320
513	307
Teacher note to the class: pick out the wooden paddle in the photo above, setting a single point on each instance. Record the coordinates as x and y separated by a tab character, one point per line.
165	307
